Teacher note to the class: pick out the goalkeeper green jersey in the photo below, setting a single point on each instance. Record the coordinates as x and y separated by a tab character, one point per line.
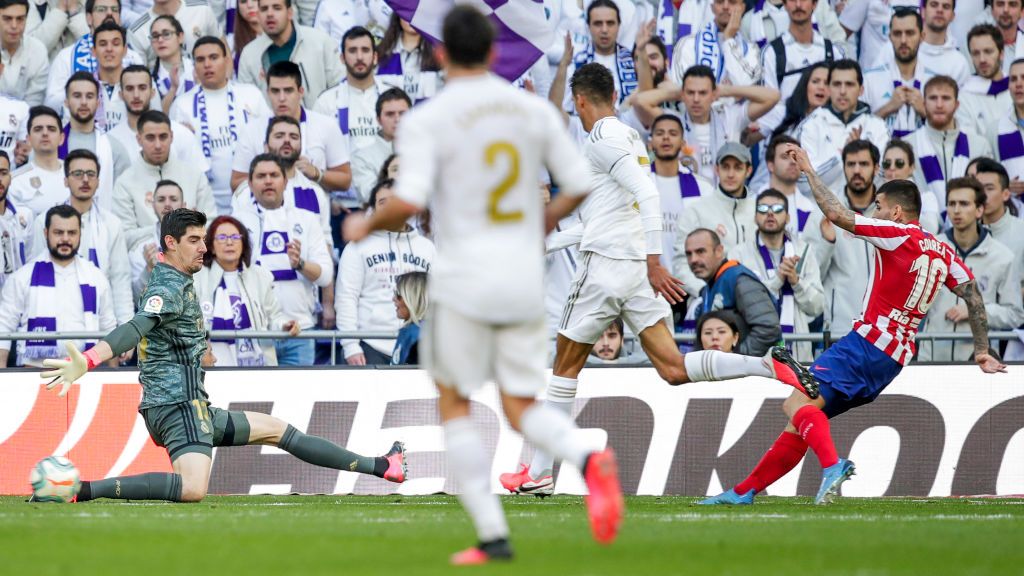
170	354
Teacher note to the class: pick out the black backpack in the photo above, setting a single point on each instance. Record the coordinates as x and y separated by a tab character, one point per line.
780	60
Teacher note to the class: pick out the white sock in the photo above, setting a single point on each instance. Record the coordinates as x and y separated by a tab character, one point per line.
561	396
712	365
470	467
555	433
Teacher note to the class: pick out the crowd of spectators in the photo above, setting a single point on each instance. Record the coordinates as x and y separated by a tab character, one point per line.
278	119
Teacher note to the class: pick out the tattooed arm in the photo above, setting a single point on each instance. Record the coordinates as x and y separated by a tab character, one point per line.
979	327
830	205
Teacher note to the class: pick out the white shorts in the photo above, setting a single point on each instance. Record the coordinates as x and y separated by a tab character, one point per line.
606	289
465	353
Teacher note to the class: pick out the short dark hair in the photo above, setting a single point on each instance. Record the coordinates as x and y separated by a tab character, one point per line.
595	82
81	76
468	36
380	185
715	240
986	30
846	64
775	142
178	222
170	20
90	6
970	183
772	193
211	231
903	193
382	174
1017	61
604	4
80	154
5	156
986	165
136	69
287	3
43	111
152	116
941	81
358	32
265	157
857	146
907	11
667	118
904	146
166	182
109	25
8	3
658	43
285	69
62	211
280	120
389	95
210	40
700	71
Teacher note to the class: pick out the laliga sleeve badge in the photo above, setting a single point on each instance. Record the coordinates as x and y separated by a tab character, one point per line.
155	304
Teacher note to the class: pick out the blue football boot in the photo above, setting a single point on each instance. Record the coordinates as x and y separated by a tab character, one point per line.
832	478
730	497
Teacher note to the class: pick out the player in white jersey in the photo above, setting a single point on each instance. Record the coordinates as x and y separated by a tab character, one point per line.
621	275
475	152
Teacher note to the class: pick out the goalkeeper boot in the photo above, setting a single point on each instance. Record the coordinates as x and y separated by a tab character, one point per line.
521	483
787	370
483	553
729	497
832	478
397	470
605	504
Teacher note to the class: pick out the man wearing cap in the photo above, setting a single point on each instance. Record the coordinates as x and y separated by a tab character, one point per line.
729	211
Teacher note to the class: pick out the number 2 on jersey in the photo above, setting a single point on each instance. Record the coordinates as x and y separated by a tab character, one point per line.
931	272
491	154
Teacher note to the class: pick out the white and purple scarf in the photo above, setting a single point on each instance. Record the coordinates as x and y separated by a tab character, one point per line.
231	312
274	234
40	311
932	168
905	120
625	68
985	87
672	29
785	305
1010	146
82	59
199	111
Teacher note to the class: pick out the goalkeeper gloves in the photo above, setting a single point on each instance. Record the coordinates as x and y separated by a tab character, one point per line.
69	369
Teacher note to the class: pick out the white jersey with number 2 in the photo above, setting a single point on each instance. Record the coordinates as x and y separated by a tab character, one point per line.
474	153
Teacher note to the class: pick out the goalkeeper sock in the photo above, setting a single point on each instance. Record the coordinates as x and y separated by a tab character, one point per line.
783	456
150	486
554	433
814	428
323	452
712	365
561	397
469	466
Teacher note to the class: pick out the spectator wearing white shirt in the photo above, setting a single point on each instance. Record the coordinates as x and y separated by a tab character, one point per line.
985	98
893	87
15	226
719	45
1006	14
326	153
138	93
366	282
290	244
939	52
196	18
391	105
768	20
336	17
39	184
990	262
603	23
284	41
784	175
56	292
998	213
217	110
25	61
101	240
870	19
1009	144
167	197
133	193
715	113
406	60
174	74
13	129
82	102
110	51
844	118
56	23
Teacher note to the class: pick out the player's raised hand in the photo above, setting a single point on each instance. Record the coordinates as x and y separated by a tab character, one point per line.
664	283
989	364
65	371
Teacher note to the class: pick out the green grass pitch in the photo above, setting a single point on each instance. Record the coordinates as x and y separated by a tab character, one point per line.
409	536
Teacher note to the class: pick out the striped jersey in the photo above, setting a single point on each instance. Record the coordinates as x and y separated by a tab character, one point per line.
909	268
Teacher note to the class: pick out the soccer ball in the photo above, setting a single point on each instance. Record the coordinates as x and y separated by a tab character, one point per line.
54	479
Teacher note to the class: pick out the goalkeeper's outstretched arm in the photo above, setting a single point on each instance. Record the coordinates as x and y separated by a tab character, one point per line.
120	340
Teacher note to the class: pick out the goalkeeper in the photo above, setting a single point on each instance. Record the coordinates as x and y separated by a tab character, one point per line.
171	336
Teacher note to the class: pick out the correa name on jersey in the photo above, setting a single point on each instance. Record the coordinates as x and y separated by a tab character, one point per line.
932	244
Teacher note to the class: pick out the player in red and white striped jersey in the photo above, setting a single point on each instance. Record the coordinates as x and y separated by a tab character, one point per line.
910	267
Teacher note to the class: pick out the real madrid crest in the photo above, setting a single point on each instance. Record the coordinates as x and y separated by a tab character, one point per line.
35	181
274	242
297	229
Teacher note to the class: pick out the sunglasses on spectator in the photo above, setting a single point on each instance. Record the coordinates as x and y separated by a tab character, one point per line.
900	163
226	237
773	208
